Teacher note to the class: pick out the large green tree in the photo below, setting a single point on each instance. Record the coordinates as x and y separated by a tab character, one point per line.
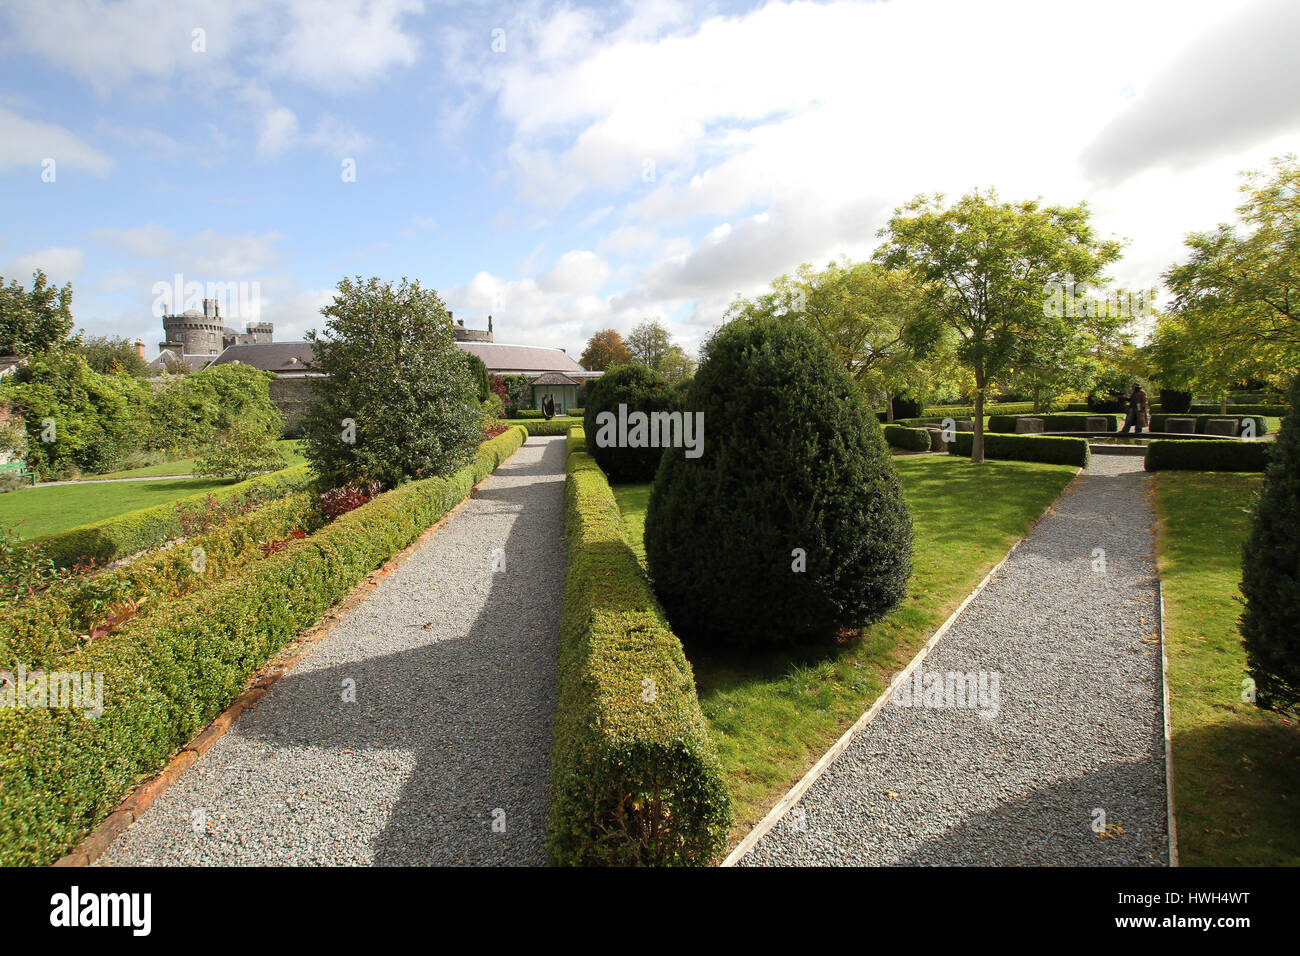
33	320
396	400
1237	296
986	266
649	343
874	320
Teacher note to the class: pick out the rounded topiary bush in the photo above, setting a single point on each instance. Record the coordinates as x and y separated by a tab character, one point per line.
1271	575
791	524
640	389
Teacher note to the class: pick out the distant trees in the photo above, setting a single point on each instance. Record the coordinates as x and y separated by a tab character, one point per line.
33	320
109	354
649	343
605	349
985	266
1237	297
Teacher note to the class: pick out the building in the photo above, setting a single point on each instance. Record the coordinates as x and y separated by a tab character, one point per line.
196	338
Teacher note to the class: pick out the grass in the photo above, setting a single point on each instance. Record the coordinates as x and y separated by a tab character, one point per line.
772	715
287	447
1236	768
56	508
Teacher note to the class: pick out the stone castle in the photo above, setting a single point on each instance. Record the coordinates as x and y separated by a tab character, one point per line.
195	333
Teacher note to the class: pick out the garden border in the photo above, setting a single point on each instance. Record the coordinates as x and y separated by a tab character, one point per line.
792	796
1169	746
143	794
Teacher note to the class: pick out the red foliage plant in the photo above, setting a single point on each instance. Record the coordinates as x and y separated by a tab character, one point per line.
339	501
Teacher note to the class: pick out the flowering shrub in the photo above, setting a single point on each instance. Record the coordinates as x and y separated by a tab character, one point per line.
201	517
271	547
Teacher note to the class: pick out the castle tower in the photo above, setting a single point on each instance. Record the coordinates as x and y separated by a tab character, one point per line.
194	332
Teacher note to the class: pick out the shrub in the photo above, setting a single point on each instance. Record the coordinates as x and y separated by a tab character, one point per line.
397	401
1053	451
640	389
1270	579
1196	454
633	781
792	524
907	407
191	410
556	426
167	677
478	372
127	534
1174	402
241	451
910	439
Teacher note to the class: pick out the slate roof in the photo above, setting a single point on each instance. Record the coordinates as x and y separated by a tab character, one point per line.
501	358
282	358
553	378
195	362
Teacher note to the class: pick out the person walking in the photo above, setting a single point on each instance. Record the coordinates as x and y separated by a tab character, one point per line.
1138	415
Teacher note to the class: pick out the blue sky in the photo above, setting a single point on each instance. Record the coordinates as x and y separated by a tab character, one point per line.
572	167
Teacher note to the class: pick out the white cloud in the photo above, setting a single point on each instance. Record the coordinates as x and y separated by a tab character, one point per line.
60	265
340	43
29	143
205	256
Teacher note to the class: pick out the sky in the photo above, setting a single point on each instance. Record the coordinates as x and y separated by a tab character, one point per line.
572	167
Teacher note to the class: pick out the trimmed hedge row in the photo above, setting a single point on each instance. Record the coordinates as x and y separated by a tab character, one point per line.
1208	455
127	534
1053	451
41	628
1066	422
634	777
939	412
1261	427
1273	411
62	772
909	439
556	426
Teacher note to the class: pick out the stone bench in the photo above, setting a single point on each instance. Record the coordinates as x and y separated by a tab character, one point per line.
1029	426
1221	426
1096	423
1186	426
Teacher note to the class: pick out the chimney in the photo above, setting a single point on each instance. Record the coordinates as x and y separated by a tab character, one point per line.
489	325
461	323
139	348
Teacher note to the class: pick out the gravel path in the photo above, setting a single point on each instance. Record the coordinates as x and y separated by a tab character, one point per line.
1077	729
447	743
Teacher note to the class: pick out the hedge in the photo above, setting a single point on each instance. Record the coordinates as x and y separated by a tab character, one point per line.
136	531
1066	422
940	412
556	426
61	773
909	439
50	623
1273	411
1158	422
528	413
1208	455
634	777
1055	451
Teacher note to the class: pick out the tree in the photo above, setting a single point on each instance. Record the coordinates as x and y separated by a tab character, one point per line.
478	371
243	449
649	343
32	321
107	355
986	266
872	318
604	349
638	389
396	400
1271	575
790	524
191	410
676	365
1238	294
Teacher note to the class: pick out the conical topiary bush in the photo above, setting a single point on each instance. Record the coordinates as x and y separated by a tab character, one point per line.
1271	575
791	523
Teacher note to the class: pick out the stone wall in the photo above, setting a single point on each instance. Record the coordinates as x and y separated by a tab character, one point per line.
291	396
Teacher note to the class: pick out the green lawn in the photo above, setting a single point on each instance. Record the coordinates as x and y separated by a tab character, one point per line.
287	447
1236	768
57	508
773	715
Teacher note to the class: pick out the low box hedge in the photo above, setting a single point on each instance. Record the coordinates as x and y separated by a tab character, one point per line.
61	772
127	534
1272	411
1061	422
908	439
556	426
1053	451
1261	426
1207	455
527	413
634	777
